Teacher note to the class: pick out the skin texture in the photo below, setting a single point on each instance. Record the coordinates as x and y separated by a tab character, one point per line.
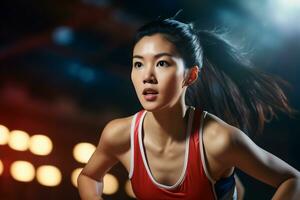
156	64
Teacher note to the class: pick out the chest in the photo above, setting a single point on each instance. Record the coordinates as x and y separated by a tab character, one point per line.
165	167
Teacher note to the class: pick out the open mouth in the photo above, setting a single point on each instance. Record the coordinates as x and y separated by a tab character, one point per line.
149	91
150	94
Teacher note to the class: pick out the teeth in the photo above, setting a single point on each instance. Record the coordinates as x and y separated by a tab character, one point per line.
150	92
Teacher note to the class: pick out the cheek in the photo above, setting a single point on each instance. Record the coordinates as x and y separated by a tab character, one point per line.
172	85
137	82
134	80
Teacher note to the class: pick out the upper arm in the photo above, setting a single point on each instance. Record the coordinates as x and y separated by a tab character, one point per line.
113	139
240	151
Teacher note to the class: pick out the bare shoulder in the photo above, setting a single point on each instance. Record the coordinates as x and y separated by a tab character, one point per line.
115	137
231	147
219	136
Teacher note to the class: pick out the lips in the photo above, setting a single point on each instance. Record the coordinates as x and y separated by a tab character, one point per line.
150	94
149	91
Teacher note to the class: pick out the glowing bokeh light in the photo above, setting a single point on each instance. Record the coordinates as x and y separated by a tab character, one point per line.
4	135
75	175
83	151
1	167
18	140
40	145
285	13
48	175
63	35
22	171
110	183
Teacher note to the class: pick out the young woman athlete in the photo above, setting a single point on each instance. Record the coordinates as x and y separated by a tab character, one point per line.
200	99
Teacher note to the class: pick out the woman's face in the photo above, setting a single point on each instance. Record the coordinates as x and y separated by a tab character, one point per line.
157	65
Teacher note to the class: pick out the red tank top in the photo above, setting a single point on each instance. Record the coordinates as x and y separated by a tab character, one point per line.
193	183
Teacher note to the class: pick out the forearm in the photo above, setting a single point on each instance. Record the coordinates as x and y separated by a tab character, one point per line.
289	189
89	189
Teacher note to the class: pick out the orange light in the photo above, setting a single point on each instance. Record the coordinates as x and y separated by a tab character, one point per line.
4	135
75	175
1	167
48	175
83	151
19	140
22	171
111	184
40	145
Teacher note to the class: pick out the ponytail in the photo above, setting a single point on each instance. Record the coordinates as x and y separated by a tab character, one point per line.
229	87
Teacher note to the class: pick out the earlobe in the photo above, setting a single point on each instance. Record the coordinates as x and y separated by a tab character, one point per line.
191	75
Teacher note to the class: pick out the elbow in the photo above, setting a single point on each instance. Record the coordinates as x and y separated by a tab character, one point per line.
289	189
295	179
88	187
292	178
292	181
294	184
79	178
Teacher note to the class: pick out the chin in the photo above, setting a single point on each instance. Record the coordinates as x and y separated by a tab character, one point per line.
151	106
154	106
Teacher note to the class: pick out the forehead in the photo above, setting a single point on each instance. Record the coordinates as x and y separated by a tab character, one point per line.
151	45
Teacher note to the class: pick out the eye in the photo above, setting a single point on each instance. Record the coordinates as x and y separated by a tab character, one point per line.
163	63
137	64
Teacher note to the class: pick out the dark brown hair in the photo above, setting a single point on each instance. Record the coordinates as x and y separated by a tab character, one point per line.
228	85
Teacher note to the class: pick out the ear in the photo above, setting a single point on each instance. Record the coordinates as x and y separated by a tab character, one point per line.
191	76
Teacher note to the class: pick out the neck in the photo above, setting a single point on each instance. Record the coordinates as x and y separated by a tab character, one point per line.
167	126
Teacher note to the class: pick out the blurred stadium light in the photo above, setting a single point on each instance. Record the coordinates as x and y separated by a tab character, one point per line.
63	35
74	176
48	175
1	167
111	184
22	171
19	140
83	151
40	145
4	135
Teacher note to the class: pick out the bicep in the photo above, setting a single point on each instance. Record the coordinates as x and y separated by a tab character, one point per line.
103	158
99	163
255	161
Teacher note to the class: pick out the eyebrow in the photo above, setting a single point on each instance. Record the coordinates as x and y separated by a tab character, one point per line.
155	56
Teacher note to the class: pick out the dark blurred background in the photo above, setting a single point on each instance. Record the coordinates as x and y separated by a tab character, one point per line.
65	72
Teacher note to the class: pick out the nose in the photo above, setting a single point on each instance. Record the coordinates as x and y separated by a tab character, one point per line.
149	76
